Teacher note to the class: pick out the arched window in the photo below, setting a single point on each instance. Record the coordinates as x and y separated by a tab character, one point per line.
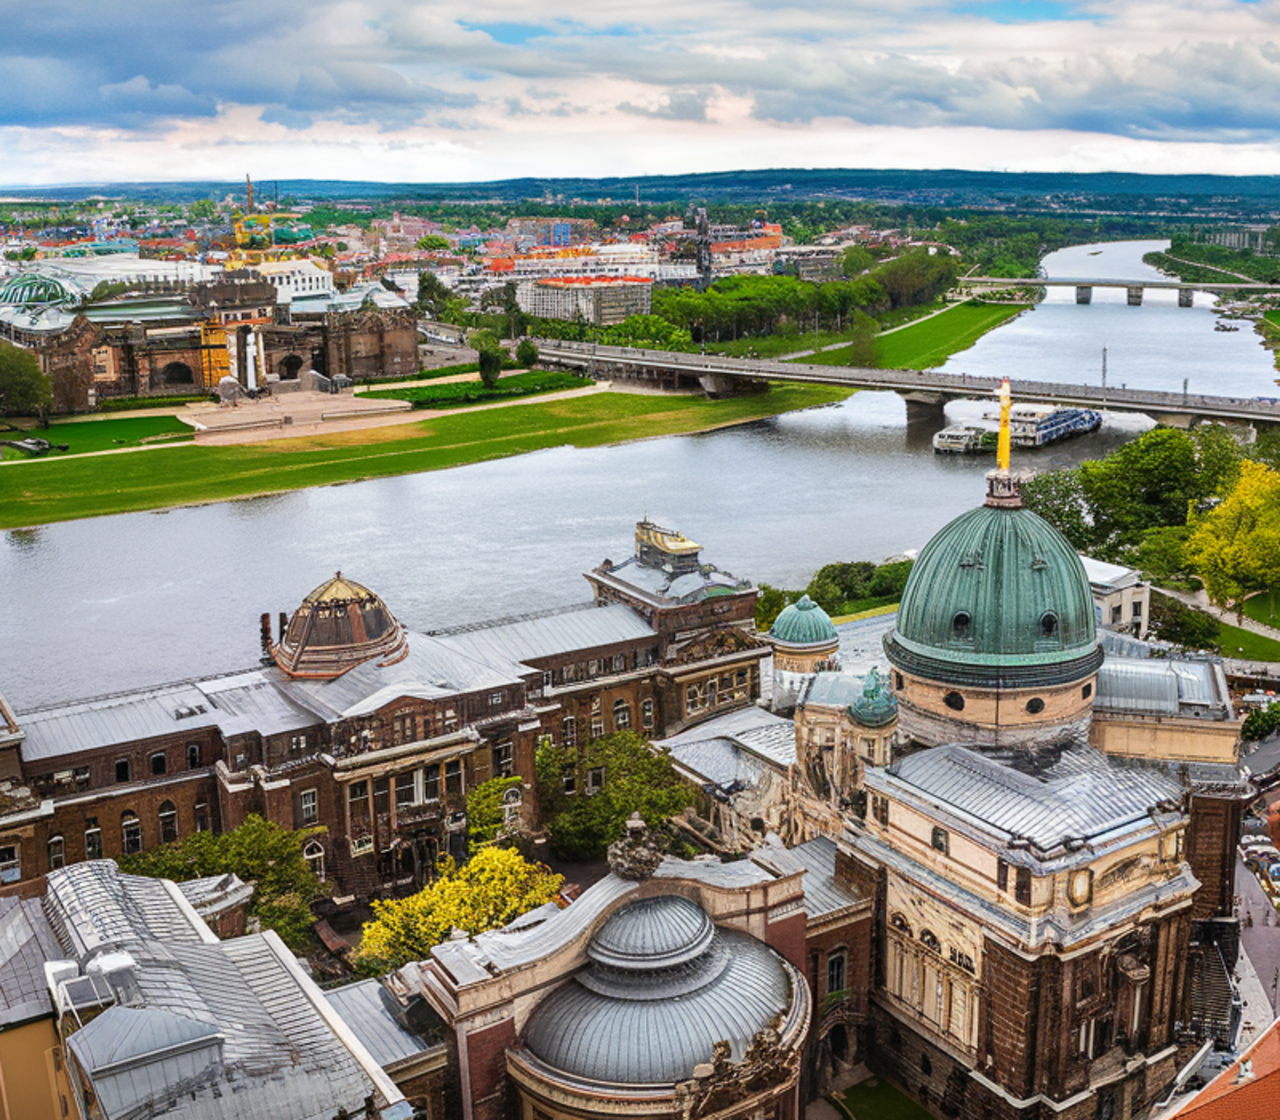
57	853
313	853
92	839
1049	624
930	941
960	623
130	833
168	822
621	715
900	923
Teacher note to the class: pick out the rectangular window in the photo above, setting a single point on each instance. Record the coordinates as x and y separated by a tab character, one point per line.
939	840
158	762
1116	612
597	728
122	770
503	760
495	699
1137	608
646	713
403	728
10	864
309	806
193	756
297	744
407	789
595	779
835	973
621	715
453	778
431	782
619	662
1022	892
57	853
569	778
92	840
569	731
1002	875
202	816
131	835
358	803
880	809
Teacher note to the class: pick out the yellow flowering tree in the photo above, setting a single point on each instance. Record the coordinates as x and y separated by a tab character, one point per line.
493	888
1235	547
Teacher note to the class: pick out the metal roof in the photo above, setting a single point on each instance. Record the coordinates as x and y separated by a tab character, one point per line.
633	1026
752	728
1171	687
365	1009
552	635
1046	796
198	1028
817	859
666	587
652	934
26	942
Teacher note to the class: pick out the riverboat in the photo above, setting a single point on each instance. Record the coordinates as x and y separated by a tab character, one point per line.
1035	425
965	439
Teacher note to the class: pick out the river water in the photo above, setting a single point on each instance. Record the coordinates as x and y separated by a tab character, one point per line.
119	602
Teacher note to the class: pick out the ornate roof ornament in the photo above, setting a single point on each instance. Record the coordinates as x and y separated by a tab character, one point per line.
637	855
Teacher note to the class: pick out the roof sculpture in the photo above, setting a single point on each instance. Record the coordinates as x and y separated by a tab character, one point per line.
340	625
663	988
877	706
803	623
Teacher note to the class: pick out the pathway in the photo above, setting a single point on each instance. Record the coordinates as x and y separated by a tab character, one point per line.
1261	937
1200	601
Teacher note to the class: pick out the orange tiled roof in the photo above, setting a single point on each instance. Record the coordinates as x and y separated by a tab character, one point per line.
1231	1096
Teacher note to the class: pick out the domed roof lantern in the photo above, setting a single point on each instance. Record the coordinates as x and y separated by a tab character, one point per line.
877	706
339	625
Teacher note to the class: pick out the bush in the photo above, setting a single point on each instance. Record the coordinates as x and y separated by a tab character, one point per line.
462	393
526	354
127	404
486	811
1173	621
1261	723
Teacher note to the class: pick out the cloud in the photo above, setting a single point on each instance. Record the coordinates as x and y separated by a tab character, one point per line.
322	75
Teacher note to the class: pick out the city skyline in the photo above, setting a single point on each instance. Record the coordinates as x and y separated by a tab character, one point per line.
491	90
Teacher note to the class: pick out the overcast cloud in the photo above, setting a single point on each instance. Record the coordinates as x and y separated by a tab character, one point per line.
496	89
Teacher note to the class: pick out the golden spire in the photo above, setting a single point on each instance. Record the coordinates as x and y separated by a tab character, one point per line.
1002	448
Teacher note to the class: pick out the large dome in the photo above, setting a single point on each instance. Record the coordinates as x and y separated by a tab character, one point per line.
680	986
997	598
338	626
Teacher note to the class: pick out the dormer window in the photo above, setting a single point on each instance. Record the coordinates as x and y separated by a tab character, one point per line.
960	625
1049	625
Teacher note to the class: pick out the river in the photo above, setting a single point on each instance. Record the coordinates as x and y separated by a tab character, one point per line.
112	603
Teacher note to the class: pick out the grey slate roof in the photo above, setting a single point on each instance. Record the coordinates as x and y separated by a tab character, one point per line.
550	635
817	859
364	1009
661	586
1046	797
835	690
197	1028
26	942
768	736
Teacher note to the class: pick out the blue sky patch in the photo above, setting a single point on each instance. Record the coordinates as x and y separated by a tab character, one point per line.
1022	11
512	34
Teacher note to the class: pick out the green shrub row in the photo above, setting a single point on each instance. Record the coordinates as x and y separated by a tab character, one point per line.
475	392
126	404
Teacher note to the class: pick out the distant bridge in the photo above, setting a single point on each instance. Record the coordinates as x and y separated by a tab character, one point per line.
926	393
1084	286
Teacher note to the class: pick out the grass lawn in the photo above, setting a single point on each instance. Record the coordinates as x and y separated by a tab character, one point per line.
460	394
884	1102
42	491
1247	645
82	436
774	345
1264	608
929	343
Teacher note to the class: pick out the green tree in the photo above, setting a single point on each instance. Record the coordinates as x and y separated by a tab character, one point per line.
1173	621
486	810
493	888
1235	546
1261	723
769	605
433	243
527	354
586	794
24	390
1161	554
201	210
433	294
862	342
260	852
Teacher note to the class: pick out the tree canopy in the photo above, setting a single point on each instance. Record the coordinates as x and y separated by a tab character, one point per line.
260	852
24	390
586	794
493	888
1235	546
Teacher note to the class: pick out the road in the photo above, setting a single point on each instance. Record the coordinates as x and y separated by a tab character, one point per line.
1262	938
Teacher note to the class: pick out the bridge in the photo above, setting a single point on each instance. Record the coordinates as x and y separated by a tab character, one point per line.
926	393
1084	286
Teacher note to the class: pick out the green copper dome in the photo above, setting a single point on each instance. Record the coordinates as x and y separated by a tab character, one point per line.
998	598
877	706
804	623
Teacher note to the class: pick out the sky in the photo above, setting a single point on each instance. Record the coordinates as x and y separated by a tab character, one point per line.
457	90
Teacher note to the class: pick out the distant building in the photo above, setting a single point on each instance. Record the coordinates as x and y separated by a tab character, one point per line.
599	300
1121	595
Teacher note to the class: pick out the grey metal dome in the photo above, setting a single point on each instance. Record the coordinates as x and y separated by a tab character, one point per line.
647	1024
653	933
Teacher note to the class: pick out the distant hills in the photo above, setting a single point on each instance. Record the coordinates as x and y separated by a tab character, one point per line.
1234	196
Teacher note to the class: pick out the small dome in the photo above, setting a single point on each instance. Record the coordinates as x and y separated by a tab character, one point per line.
998	598
653	933
338	626
877	706
804	623
653	1019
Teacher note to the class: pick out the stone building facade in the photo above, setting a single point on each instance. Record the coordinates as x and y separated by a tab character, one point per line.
375	733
